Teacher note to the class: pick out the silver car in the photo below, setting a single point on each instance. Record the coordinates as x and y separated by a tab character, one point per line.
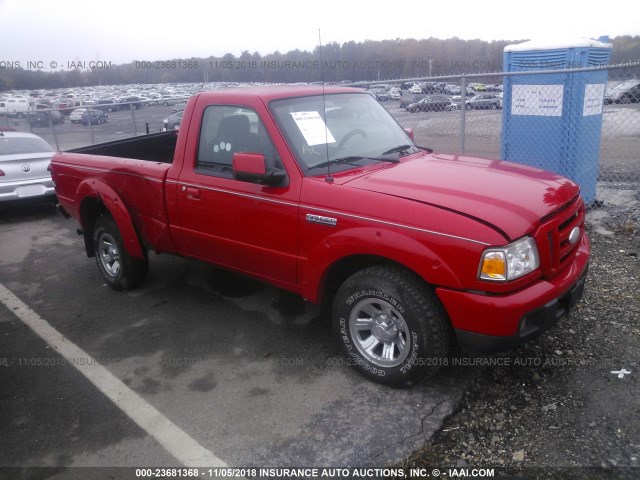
24	164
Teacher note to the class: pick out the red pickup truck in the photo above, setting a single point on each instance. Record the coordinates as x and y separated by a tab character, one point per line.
322	193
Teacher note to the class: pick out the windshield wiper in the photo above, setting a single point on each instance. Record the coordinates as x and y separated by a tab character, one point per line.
403	148
352	158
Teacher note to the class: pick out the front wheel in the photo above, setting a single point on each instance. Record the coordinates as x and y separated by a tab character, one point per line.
120	270
391	325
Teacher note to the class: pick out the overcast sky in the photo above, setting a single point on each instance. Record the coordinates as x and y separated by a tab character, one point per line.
120	31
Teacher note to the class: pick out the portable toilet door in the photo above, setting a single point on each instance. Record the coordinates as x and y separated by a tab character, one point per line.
553	120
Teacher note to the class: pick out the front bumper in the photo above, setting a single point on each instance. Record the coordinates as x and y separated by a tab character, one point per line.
492	323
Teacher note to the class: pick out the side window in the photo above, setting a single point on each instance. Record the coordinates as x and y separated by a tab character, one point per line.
226	130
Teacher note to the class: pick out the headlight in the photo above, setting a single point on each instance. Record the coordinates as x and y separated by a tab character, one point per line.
510	262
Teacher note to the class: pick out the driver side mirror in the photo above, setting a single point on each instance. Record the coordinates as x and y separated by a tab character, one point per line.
252	167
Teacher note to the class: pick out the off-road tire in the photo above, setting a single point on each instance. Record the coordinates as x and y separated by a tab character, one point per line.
392	300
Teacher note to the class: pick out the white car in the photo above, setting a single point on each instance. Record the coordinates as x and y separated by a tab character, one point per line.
415	89
394	94
76	115
24	164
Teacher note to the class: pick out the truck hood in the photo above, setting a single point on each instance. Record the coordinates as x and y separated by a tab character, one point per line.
509	197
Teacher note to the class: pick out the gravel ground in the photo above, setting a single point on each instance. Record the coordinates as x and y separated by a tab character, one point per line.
554	408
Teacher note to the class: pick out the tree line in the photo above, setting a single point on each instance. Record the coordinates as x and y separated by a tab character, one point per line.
351	61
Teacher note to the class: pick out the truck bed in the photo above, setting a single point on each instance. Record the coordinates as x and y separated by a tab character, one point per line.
155	147
135	168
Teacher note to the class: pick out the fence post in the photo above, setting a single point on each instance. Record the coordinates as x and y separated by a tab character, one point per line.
463	111
53	130
90	125
133	119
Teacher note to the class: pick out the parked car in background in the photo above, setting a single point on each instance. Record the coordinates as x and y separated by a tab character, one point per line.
626	92
108	105
415	88
95	116
173	121
452	89
382	95
76	115
456	101
127	103
24	163
404	102
430	103
440	87
395	93
43	118
42	103
484	101
178	107
477	87
149	101
168	100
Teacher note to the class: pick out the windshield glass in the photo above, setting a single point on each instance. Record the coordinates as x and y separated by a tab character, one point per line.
353	126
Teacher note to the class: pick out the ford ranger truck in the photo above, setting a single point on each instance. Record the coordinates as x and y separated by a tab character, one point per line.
321	192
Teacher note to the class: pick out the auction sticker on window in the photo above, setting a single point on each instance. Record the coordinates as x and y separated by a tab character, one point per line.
539	100
313	128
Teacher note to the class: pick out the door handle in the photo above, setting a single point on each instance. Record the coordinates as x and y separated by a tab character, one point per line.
193	193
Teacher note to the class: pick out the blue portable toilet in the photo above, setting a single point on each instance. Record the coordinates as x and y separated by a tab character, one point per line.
554	120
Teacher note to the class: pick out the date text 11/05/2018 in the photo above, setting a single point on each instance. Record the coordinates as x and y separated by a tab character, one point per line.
333	472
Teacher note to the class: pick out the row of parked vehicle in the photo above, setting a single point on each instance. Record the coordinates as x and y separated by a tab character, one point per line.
449	88
23	104
43	118
439	102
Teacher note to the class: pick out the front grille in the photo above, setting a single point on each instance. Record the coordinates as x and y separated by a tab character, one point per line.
556	251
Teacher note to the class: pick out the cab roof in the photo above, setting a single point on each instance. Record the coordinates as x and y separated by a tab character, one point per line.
275	92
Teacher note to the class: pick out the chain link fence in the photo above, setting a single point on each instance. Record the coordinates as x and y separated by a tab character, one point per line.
80	123
582	123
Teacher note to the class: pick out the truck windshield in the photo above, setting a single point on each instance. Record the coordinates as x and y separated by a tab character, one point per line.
326	131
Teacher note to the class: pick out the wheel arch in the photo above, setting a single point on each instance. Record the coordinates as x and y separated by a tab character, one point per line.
344	267
332	266
98	198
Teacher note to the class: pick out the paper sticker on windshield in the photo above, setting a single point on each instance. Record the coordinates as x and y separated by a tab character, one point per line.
313	128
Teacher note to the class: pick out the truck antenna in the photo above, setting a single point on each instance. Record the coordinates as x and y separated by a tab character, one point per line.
328	178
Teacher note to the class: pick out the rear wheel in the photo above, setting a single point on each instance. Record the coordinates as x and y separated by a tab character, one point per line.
120	270
391	325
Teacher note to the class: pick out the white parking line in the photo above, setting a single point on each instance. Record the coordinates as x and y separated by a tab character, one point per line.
178	443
